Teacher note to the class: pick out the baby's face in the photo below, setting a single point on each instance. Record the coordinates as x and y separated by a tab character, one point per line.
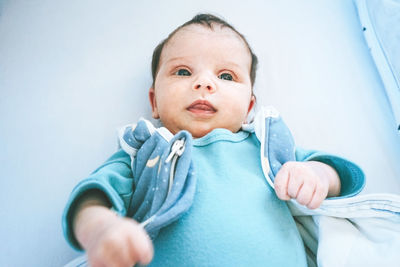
203	81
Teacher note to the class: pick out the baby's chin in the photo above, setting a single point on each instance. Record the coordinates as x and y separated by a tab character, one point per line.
201	132
199	129
196	132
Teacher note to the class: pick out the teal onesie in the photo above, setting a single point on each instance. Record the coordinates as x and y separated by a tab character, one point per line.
229	215
236	218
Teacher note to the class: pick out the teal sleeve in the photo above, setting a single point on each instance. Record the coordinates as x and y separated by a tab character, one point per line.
352	178
114	179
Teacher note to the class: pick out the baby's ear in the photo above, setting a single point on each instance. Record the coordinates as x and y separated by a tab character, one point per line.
153	103
251	104
250	111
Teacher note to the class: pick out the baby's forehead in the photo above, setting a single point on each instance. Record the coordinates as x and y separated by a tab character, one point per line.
217	30
202	38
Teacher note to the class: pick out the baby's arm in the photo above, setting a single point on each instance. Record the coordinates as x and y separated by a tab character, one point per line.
109	240
308	182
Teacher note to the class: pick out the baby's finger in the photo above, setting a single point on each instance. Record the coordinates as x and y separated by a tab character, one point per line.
318	197
141	246
306	192
281	184
109	254
295	183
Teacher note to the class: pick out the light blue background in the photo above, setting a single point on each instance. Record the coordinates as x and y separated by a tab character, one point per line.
72	72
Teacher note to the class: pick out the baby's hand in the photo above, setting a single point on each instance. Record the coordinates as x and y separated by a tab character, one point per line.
115	241
308	182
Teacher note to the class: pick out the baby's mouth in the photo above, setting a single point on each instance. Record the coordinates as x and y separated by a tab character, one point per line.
201	107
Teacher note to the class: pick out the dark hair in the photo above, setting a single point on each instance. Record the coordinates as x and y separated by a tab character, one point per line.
206	20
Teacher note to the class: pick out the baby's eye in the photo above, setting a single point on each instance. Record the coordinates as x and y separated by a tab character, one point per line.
226	76
182	72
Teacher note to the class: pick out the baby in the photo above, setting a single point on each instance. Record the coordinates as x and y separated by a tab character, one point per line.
203	75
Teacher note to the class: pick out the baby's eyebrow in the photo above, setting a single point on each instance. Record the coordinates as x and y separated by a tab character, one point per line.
233	66
175	59
231	63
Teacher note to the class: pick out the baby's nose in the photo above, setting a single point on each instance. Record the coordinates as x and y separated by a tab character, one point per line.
204	82
198	86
